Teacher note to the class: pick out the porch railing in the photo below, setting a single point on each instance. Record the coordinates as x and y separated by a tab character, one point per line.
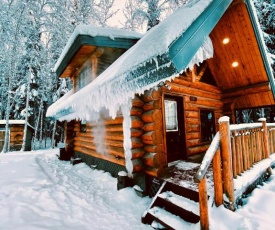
234	149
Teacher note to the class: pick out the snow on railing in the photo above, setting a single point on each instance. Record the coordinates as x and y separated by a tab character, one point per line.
233	151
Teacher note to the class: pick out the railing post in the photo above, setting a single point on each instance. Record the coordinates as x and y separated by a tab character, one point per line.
225	145
203	199
266	145
217	177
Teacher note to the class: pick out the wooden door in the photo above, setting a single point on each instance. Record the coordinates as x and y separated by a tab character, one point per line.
174	122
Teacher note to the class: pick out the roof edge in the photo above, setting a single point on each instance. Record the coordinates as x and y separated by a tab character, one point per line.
196	34
261	43
99	41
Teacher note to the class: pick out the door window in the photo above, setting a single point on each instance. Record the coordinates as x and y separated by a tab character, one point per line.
171	115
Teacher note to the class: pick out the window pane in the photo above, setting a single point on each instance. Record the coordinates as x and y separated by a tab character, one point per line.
83	126
171	115
207	125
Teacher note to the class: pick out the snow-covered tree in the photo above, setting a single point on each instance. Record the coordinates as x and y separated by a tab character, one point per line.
266	15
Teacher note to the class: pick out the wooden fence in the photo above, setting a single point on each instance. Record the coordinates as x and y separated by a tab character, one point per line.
234	150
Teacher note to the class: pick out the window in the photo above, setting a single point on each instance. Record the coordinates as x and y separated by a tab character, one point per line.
171	115
83	128
83	78
207	125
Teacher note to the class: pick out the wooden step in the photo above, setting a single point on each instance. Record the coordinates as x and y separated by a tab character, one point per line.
168	220
173	203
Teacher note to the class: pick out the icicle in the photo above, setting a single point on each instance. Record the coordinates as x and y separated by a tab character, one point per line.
127	144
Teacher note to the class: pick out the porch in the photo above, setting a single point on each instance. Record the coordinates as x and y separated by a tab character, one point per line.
238	159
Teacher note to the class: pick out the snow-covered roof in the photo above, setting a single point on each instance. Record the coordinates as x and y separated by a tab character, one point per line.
93	31
140	68
15	122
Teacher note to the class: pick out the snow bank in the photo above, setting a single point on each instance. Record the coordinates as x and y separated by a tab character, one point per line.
40	192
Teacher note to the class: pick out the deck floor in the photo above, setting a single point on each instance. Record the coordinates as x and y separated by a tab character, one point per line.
183	172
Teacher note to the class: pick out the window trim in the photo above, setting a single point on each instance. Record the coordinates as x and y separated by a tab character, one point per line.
176	116
212	133
83	126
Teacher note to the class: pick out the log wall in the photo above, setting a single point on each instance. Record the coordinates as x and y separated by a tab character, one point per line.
197	95
147	133
104	139
16	138
153	137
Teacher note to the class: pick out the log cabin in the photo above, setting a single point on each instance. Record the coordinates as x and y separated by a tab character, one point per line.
16	134
143	103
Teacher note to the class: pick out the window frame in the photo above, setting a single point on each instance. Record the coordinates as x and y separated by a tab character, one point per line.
211	124
83	126
176	122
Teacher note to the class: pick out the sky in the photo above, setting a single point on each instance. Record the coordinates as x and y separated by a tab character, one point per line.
40	192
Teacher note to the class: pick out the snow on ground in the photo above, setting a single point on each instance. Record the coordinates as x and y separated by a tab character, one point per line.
37	191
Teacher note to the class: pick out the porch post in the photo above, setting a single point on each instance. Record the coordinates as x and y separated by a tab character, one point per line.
227	173
203	199
266	145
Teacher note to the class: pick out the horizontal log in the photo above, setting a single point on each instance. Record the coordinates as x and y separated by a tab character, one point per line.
151	159
137	163
152	105
153	126
152	116
252	89
137	102
175	87
190	106
136	132
192	143
137	153
192	114
151	95
205	102
136	122
155	148
136	111
136	142
197	149
197	85
115	151
152	138
192	128
154	172
110	158
192	121
193	135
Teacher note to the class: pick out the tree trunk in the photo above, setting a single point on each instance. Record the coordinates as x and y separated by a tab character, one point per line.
26	114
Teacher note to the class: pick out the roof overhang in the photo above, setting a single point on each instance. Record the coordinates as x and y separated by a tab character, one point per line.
261	44
90	41
163	66
180	52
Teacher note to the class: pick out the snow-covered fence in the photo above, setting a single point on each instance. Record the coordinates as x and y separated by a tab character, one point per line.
233	151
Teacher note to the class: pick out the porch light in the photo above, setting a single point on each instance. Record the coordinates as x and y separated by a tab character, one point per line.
225	41
235	64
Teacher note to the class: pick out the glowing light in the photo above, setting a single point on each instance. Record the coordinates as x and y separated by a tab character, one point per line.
235	64
225	41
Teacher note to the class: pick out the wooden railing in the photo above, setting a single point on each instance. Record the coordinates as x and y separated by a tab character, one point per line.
234	149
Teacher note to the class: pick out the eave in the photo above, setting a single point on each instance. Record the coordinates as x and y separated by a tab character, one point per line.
92	42
180	52
261	44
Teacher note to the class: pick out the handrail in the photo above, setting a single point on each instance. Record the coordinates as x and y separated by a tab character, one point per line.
210	153
215	144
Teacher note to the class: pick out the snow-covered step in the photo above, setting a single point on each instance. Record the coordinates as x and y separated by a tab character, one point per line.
169	220
181	202
173	203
